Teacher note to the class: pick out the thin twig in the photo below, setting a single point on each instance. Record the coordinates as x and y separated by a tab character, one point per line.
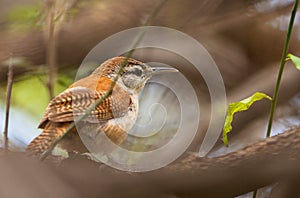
108	93
8	99
51	49
282	63
280	72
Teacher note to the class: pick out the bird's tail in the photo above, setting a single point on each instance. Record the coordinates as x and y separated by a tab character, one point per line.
46	139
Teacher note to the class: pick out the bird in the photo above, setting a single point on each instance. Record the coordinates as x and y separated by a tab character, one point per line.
114	116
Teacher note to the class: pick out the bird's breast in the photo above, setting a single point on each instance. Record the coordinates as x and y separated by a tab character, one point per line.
127	121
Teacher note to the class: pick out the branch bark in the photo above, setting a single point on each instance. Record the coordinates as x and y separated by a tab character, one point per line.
275	159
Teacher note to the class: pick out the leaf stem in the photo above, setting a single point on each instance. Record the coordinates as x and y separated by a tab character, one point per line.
280	72
282	63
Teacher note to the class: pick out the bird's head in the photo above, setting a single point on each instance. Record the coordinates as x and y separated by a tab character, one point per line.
134	74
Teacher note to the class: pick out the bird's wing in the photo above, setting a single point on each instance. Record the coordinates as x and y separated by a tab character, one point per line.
74	102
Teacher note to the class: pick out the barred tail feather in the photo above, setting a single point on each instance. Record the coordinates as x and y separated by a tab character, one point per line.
43	142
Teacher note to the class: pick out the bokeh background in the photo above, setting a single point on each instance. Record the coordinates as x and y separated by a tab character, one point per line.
245	38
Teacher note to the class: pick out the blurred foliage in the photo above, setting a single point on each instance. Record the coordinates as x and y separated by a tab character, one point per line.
24	17
31	94
27	17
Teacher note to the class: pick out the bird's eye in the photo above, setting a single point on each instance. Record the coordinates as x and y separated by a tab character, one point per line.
136	72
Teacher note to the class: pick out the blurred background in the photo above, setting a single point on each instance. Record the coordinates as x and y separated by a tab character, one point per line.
245	38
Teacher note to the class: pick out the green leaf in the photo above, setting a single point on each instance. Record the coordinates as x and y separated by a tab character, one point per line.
242	105
295	60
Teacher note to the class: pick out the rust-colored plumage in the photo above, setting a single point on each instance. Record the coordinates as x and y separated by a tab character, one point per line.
114	117
74	101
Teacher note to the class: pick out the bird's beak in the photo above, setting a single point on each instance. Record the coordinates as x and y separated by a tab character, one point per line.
158	70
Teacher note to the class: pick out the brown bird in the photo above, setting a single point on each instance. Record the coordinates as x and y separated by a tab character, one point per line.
114	116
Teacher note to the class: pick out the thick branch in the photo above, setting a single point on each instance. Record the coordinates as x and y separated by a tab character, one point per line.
236	173
242	171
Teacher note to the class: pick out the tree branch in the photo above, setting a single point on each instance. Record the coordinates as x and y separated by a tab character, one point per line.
269	161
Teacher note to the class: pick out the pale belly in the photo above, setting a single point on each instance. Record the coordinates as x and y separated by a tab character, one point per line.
127	121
